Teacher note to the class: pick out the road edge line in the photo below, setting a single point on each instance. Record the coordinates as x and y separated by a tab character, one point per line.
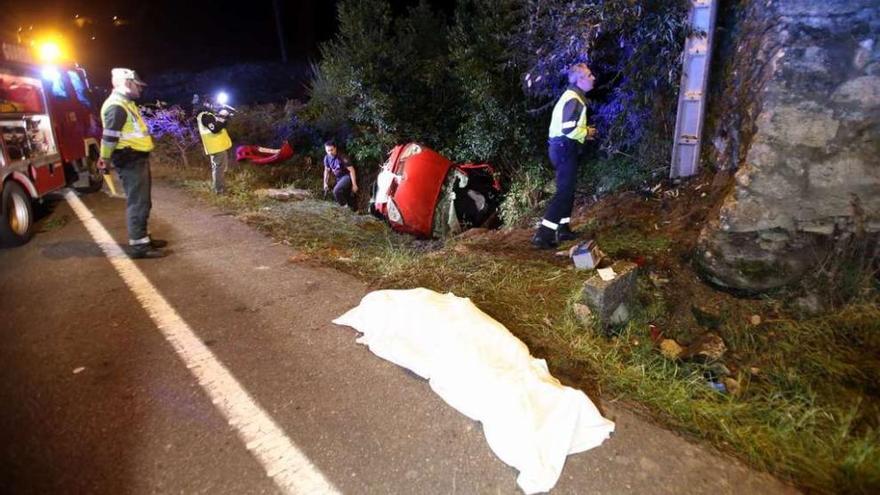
282	460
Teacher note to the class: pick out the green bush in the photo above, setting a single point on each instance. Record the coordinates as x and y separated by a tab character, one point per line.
258	124
492	122
381	80
385	79
527	191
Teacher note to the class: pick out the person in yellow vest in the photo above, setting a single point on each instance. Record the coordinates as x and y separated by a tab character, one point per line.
568	131
216	141
126	146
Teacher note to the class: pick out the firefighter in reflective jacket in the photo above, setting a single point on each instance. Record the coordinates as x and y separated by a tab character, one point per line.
126	146
568	131
215	139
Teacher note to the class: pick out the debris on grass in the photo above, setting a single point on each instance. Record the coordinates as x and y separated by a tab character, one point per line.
671	349
284	194
732	385
707	348
706	317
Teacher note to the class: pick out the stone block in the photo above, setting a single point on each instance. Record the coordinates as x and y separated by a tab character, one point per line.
864	91
620	316
806	123
604	297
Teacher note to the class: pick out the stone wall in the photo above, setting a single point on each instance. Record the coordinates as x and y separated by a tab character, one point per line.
803	135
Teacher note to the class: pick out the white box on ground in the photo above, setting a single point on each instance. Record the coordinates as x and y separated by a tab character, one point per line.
586	255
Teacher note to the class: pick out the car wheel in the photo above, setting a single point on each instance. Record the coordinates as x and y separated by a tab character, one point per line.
17	225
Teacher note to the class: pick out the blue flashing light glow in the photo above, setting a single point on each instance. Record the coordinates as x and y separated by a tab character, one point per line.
51	73
222	98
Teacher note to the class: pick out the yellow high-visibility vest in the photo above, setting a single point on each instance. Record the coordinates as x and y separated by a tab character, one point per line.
579	133
213	142
134	133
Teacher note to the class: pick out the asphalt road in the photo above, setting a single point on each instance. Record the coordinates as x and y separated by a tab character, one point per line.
94	399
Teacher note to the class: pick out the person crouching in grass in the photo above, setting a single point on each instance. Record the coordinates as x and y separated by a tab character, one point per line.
346	188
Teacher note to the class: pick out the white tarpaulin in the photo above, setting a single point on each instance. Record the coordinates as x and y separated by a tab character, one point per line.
531	421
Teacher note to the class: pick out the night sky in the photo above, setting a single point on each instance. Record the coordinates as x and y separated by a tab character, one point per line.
154	36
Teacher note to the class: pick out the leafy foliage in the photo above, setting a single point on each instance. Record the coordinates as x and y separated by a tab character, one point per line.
492	123
175	125
385	79
270	124
381	80
633	47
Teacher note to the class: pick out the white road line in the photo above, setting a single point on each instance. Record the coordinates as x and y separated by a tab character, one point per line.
288	467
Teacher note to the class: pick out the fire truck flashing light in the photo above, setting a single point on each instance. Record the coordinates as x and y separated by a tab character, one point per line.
49	51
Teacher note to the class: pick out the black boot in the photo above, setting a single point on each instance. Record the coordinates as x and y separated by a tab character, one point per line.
545	238
564	233
142	251
158	243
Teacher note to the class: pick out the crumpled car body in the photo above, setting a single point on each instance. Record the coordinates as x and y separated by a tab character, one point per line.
421	192
263	156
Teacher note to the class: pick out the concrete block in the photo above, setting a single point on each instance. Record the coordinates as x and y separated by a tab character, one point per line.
604	297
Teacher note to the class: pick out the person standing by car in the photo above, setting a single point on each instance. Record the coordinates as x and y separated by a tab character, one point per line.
346	188
568	131
126	146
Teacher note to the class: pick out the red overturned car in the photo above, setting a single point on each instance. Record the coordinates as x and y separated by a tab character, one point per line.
421	192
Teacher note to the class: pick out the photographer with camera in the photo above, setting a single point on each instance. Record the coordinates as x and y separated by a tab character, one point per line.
216	141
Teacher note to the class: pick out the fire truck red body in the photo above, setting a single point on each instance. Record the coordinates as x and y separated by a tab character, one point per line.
49	136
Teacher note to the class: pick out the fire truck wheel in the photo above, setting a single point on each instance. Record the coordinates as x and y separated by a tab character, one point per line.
17	225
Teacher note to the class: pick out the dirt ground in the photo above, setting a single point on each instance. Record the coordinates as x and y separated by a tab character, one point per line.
656	229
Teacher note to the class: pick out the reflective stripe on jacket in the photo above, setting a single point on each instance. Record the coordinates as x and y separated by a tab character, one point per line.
134	133
564	125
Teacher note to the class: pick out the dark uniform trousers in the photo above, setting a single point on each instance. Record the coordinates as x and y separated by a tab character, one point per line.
564	157
134	170
342	192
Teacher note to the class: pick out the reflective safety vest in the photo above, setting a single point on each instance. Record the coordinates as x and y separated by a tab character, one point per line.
558	127
134	133
213	142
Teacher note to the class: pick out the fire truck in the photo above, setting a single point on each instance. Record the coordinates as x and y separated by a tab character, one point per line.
49	136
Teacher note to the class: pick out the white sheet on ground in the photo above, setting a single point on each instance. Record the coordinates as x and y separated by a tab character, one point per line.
531	421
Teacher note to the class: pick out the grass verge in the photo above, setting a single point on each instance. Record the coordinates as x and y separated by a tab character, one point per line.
807	410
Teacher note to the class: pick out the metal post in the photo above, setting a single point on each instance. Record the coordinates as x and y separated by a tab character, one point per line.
692	94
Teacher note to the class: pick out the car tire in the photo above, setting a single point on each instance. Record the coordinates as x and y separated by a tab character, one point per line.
17	219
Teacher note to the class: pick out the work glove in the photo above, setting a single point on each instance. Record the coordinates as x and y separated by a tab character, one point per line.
104	166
